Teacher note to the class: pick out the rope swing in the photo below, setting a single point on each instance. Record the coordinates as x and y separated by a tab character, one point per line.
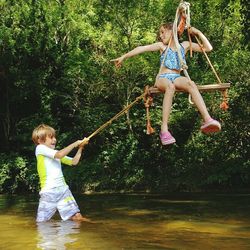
181	23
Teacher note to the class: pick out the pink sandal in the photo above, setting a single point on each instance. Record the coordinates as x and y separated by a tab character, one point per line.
211	126
167	138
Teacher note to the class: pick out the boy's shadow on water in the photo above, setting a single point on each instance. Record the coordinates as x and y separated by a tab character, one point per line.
56	234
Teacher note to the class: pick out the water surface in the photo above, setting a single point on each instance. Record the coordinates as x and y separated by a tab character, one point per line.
132	221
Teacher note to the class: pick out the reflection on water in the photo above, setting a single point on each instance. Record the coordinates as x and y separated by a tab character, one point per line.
132	221
57	234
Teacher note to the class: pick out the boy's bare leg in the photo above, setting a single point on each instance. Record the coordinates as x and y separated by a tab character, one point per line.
79	217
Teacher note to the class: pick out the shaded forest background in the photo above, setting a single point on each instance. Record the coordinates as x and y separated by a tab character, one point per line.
55	68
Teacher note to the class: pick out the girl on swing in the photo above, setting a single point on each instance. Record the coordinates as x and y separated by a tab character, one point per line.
169	78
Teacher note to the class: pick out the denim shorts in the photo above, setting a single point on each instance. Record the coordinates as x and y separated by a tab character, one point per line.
60	199
170	76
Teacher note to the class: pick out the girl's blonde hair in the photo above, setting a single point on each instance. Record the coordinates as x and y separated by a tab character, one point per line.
41	132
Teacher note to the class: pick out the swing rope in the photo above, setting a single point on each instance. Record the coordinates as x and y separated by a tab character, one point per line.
182	22
116	116
224	104
183	17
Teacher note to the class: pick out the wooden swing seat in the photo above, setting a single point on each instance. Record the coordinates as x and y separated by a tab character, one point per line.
150	91
202	88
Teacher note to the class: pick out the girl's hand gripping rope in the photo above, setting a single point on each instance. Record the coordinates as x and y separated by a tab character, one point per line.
193	31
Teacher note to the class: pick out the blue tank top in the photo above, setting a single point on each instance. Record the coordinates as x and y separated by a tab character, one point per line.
172	60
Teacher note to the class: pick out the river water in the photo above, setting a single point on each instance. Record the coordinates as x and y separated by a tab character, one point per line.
131	221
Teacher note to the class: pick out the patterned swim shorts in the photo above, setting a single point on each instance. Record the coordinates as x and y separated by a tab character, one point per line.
60	199
170	76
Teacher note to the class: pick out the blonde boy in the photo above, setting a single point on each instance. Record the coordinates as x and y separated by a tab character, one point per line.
55	193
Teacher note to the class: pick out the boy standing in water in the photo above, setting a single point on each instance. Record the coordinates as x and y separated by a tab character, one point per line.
55	193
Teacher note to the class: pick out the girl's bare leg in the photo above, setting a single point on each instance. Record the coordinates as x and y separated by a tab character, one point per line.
168	88
183	83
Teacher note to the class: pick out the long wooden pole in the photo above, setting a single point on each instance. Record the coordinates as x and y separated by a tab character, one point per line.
116	116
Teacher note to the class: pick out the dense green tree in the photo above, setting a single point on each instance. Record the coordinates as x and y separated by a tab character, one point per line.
55	68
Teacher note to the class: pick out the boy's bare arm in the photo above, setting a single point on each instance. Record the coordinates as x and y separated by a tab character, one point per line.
65	151
77	156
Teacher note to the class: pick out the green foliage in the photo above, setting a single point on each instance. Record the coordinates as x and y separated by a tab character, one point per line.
55	67
16	175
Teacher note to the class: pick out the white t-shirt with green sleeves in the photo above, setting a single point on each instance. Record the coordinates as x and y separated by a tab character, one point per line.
50	169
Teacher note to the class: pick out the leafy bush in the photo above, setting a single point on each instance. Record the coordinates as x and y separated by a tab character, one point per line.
16	175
